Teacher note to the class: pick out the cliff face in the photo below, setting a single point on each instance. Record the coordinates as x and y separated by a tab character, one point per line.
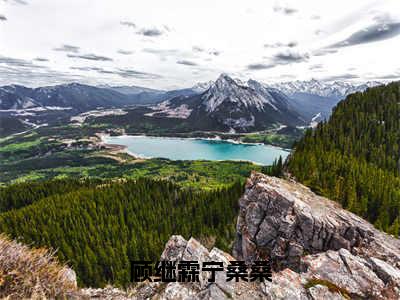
310	239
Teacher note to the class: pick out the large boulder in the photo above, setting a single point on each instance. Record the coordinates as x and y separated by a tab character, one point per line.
283	221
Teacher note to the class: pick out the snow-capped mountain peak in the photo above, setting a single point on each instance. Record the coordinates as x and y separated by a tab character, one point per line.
226	89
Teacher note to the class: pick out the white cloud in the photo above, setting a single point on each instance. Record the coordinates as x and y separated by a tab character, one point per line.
207	37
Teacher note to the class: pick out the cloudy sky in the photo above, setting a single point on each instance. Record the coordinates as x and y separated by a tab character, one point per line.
176	43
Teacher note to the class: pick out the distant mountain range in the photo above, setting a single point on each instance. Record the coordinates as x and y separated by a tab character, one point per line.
225	104
317	98
76	96
82	97
334	90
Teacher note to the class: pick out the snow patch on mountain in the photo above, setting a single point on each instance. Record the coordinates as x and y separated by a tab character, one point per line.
164	109
202	86
81	118
315	120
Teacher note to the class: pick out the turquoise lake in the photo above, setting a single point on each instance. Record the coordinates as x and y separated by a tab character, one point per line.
195	149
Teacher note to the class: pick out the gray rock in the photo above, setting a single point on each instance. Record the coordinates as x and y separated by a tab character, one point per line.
385	271
285	285
178	248
295	221
321	292
174	248
346	271
107	293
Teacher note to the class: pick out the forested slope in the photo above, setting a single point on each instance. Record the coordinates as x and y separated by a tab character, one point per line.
354	158
99	229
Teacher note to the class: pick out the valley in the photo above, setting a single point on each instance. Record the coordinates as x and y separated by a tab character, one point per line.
199	150
53	132
71	152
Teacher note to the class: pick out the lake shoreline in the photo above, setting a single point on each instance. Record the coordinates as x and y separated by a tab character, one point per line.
124	148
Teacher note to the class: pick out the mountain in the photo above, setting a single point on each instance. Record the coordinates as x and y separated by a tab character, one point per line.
335	90
80	97
310	106
354	157
77	96
139	95
317	98
10	125
22	107
152	96
230	105
202	86
16	97
226	104
159	94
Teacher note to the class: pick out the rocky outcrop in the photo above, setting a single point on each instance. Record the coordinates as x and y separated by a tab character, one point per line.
313	243
283	221
177	249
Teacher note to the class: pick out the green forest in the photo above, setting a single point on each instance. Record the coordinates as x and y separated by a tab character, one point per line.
98	227
354	158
